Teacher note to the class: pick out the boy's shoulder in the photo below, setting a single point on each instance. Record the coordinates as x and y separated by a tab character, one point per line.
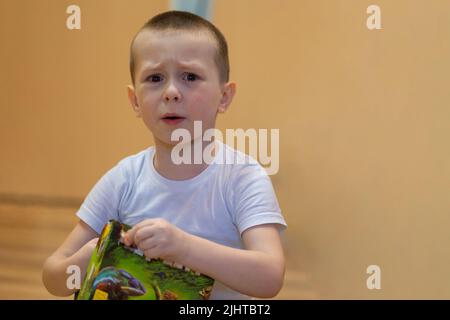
232	153
237	159
239	167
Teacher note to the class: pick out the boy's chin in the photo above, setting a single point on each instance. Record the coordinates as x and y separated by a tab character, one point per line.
165	138
168	142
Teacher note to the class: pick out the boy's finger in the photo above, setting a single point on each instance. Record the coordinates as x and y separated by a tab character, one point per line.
145	222
142	234
151	254
129	237
147	244
130	234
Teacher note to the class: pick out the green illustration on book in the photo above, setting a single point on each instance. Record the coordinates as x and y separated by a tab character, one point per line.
118	272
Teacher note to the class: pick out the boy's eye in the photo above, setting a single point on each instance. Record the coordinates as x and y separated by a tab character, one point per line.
190	77
154	78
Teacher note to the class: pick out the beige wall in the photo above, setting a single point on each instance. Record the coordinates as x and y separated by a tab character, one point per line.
363	116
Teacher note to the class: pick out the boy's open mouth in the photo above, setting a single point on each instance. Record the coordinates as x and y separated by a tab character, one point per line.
172	118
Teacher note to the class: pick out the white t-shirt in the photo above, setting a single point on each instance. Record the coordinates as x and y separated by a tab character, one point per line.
219	204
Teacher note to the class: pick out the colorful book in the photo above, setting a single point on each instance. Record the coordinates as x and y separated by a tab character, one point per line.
119	272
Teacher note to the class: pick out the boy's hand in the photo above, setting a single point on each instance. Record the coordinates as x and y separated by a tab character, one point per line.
87	249
158	238
83	255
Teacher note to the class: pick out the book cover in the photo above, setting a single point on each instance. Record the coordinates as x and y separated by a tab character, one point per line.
118	272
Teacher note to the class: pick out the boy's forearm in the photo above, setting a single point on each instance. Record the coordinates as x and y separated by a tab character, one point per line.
253	273
55	273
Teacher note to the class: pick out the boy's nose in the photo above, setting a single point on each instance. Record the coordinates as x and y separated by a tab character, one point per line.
168	98
172	93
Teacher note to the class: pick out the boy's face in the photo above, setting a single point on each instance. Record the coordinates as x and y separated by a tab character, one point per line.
177	82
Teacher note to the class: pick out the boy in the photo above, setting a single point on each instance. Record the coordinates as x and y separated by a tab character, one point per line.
222	220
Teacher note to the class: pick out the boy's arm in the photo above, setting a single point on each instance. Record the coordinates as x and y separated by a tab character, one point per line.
75	250
257	270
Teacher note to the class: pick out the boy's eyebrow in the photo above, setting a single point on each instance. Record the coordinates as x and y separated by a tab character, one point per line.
152	66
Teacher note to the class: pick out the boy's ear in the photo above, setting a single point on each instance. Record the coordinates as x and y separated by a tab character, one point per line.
228	93
133	100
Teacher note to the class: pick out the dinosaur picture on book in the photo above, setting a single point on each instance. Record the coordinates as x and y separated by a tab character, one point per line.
119	272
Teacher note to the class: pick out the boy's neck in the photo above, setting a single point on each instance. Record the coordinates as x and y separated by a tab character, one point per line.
164	165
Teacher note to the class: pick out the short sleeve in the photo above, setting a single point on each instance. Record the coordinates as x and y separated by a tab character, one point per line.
254	201
103	201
